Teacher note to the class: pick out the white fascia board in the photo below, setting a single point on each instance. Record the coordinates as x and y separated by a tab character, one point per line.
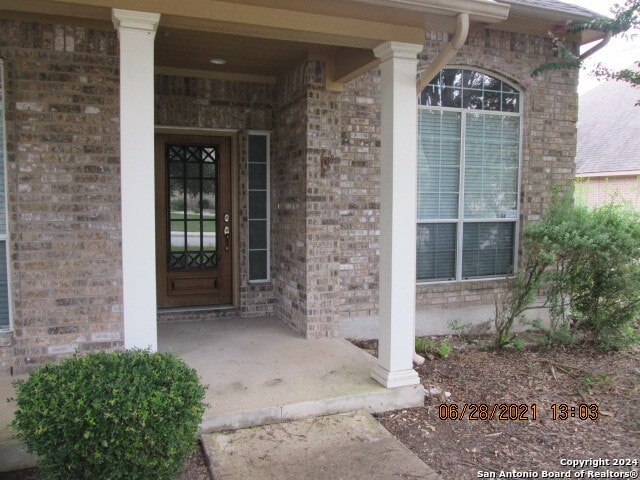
619	173
550	14
487	11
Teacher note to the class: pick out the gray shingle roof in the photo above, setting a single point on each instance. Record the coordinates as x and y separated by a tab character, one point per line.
555	5
609	129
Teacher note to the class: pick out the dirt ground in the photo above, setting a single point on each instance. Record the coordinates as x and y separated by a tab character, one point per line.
606	427
606	385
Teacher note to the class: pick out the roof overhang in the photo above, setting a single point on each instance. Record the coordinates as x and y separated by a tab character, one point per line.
536	20
263	38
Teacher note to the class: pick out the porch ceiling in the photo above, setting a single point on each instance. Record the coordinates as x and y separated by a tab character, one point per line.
265	37
193	49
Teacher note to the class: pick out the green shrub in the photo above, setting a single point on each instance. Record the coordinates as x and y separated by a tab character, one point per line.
587	263
177	205
121	415
595	283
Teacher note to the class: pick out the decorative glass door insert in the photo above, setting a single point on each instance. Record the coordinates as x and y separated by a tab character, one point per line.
192	212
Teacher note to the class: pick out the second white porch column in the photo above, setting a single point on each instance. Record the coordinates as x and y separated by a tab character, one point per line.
398	177
137	31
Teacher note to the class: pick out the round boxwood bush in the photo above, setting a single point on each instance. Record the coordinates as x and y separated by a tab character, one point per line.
120	415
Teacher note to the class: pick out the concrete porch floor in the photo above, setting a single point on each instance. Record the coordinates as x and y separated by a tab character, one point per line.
260	371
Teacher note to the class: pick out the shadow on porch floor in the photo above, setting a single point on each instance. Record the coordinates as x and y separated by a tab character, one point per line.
260	371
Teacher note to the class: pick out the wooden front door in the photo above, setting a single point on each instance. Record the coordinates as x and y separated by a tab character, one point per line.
193	221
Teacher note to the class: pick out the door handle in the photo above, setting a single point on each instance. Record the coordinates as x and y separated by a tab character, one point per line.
227	234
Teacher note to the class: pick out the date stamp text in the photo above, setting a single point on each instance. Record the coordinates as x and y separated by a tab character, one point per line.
515	411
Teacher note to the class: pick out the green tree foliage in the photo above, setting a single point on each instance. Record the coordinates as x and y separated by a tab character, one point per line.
626	16
122	415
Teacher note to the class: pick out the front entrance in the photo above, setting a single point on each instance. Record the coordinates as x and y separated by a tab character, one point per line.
193	221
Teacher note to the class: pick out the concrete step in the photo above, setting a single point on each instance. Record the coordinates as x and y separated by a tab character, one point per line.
351	446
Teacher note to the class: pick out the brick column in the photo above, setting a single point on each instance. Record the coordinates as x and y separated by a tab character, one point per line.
398	173
136	31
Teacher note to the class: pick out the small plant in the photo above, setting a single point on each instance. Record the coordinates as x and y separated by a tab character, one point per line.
444	349
518	344
121	415
592	381
420	345
428	345
459	328
556	333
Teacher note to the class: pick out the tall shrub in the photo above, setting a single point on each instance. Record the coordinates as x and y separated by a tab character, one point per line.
592	280
121	415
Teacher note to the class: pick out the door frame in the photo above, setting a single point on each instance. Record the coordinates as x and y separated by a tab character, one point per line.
233	136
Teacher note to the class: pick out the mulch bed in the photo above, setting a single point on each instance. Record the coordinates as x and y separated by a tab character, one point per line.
473	376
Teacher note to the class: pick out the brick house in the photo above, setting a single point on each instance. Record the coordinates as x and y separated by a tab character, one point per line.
607	159
189	160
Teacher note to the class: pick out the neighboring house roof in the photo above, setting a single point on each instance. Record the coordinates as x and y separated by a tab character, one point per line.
554	5
609	130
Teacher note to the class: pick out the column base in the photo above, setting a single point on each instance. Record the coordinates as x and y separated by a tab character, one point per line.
400	378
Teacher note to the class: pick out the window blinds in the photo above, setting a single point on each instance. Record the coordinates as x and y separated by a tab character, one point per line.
468	177
438	164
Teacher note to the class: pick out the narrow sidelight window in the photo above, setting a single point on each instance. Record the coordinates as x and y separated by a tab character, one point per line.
258	172
5	297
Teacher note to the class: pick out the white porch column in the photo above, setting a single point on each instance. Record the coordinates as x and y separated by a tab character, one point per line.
137	31
398	189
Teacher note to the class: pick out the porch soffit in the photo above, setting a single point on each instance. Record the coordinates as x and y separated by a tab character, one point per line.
264	38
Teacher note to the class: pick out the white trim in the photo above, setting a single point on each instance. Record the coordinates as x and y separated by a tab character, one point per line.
398	171
260	133
136	31
485	71
397	51
620	173
129	19
5	237
470	110
488	11
171	130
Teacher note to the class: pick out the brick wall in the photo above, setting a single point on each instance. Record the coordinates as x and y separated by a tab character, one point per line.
307	182
324	197
63	190
360	203
289	183
597	191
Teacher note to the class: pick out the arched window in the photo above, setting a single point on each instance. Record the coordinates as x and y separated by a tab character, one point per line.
468	177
